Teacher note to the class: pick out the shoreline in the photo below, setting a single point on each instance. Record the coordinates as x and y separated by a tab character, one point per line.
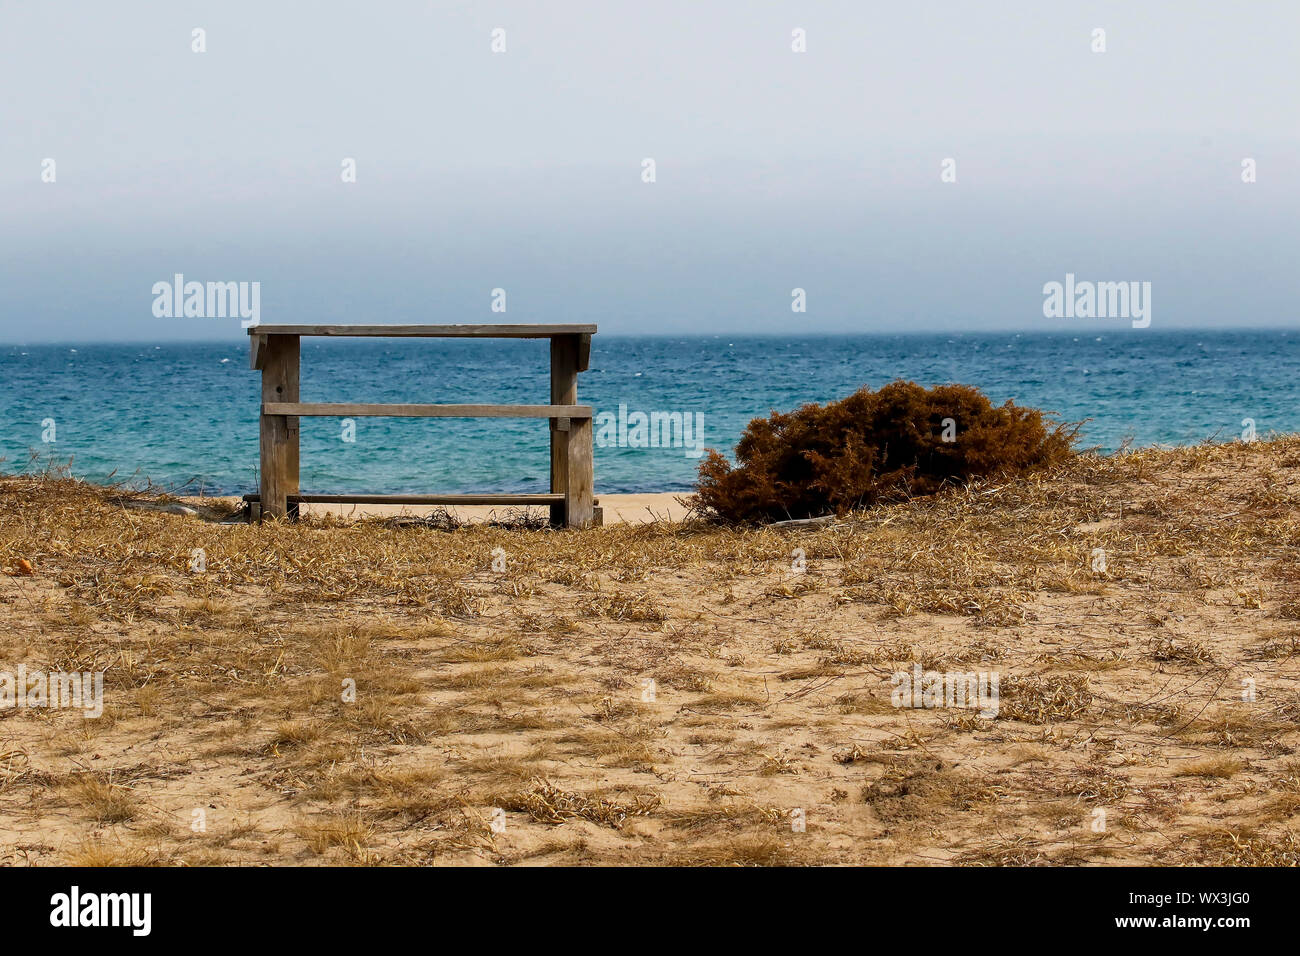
618	509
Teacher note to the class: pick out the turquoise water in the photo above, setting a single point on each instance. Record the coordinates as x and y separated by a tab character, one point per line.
185	415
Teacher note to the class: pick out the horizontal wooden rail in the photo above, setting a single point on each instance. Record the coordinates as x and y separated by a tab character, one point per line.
428	331
259	335
347	410
362	499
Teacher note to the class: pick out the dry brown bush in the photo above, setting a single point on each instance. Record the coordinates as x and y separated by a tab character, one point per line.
873	447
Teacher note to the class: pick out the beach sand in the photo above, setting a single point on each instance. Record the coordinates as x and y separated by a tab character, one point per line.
618	509
645	694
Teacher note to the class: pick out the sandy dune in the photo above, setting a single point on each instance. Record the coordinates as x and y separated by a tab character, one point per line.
672	694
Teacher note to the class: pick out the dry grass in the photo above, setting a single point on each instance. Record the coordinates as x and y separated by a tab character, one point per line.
547	803
1220	765
101	800
343	693
350	834
1044	700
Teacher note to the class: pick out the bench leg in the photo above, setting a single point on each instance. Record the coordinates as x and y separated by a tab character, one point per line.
564	391
578	504
279	433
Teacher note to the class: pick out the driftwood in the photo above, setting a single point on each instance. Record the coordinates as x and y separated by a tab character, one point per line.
165	507
217	512
805	522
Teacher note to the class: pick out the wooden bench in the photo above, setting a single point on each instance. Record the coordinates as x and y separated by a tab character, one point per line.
275	350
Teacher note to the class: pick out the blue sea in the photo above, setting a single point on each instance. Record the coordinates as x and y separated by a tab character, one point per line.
185	416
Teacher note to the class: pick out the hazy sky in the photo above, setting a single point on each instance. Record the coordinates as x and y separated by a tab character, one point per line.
522	170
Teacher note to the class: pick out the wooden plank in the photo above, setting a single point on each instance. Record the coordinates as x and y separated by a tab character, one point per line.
429	331
279	383
292	349
584	352
365	499
349	410
578	501
564	391
257	351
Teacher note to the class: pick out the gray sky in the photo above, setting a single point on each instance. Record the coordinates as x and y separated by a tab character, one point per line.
522	170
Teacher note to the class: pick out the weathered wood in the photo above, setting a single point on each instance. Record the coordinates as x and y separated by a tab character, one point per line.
275	349
805	522
578	502
564	391
256	351
348	410
291	395
428	331
279	432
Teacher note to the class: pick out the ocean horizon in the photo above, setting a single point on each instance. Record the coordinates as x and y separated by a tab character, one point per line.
183	416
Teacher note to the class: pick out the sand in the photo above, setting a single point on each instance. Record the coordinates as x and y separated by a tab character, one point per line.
618	509
369	694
